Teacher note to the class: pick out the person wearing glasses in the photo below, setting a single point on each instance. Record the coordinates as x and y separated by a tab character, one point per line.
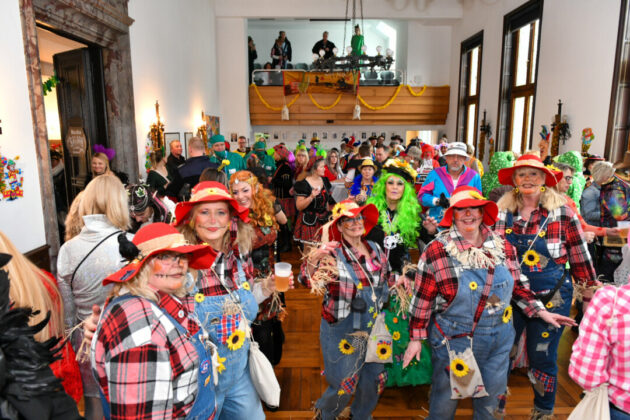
354	276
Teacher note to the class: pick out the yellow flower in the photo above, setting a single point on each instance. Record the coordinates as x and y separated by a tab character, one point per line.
508	231
375	315
543	189
549	305
507	314
531	258
268	221
225	162
459	367
221	367
545	334
199	297
360	286
473	285
341	392
383	350
236	340
542	234
246	286
345	347
396	336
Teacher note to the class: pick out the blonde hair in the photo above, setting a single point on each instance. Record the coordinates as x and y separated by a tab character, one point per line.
244	232
106	195
74	222
550	200
104	158
139	284
31	287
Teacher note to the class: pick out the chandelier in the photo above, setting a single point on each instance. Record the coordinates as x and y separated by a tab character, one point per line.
356	57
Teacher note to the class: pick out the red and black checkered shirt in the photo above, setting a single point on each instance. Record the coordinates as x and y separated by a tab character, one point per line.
564	237
437	281
146	367
210	285
341	290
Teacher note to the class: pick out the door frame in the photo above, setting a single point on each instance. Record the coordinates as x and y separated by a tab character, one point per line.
101	23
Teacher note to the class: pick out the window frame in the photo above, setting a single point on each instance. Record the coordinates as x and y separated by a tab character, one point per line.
464	100
508	91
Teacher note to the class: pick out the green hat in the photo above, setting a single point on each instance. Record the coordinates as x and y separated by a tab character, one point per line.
302	141
259	145
217	138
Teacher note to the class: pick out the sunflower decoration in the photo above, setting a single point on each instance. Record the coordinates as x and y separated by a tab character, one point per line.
224	163
199	297
221	366
384	350
360	286
345	347
236	340
473	285
531	258
549	305
246	286
508	231
396	336
542	234
545	334
459	367
507	314
341	392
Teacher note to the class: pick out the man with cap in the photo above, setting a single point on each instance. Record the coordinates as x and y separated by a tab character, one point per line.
264	160
442	181
229	162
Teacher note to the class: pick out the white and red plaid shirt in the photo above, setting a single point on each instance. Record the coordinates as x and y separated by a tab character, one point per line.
601	353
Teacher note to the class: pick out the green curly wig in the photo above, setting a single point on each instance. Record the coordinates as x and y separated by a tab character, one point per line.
406	222
574	159
490	179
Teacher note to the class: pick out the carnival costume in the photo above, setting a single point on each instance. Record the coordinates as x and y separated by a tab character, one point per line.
396	232
229	162
545	243
351	311
226	301
152	357
462	305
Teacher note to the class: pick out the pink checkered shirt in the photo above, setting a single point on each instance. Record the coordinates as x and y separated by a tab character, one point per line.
601	353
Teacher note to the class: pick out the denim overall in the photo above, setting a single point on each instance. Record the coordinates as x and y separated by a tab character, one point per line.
542	339
204	406
235	394
367	380
491	344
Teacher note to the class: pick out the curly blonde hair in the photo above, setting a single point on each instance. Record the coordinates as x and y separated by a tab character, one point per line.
261	213
139	284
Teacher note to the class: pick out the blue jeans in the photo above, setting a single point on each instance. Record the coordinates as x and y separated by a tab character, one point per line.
617	414
542	350
241	401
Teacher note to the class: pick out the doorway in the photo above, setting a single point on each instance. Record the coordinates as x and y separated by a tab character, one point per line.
74	101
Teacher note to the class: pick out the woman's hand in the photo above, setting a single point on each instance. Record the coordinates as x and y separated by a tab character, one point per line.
269	284
613	232
431	225
414	349
90	323
556	320
325	249
589	236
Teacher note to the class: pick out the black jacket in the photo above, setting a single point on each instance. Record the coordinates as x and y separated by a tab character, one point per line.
328	48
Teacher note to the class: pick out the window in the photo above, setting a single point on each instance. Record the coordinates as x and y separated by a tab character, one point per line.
521	41
469	85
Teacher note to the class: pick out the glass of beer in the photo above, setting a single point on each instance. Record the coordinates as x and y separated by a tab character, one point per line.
282	273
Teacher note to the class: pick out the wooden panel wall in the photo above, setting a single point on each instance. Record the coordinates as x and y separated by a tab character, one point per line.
429	109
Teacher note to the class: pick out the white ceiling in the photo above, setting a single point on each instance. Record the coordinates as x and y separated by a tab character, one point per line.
51	44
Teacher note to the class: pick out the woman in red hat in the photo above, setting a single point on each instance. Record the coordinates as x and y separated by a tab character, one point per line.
547	234
150	354
465	282
355	284
312	198
226	297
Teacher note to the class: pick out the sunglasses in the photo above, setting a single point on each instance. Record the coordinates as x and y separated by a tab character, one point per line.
346	221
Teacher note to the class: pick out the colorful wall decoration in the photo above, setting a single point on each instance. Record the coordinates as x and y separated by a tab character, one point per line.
320	82
11	179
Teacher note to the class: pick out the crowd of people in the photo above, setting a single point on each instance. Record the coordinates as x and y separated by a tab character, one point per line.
165	285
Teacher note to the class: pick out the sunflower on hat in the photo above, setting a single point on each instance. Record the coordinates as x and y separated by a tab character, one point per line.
350	209
401	168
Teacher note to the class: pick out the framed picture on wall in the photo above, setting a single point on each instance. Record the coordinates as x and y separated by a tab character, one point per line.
334	136
233	137
187	136
276	136
325	135
169	137
363	135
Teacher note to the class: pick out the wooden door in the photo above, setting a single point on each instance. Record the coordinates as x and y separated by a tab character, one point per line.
81	102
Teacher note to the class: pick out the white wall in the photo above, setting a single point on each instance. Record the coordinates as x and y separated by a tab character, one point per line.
577	54
22	219
429	54
174	61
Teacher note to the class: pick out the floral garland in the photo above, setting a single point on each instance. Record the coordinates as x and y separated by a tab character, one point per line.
385	105
325	108
266	104
424	88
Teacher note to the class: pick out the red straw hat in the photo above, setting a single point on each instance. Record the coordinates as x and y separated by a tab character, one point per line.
468	196
529	161
157	238
206	192
349	208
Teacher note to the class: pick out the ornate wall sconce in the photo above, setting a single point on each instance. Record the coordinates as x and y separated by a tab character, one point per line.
560	130
486	133
202	130
156	132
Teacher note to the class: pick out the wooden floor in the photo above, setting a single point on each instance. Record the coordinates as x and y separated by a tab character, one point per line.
299	372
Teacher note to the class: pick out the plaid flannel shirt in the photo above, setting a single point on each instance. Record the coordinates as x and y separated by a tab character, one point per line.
601	353
210	284
145	366
564	236
341	290
436	281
